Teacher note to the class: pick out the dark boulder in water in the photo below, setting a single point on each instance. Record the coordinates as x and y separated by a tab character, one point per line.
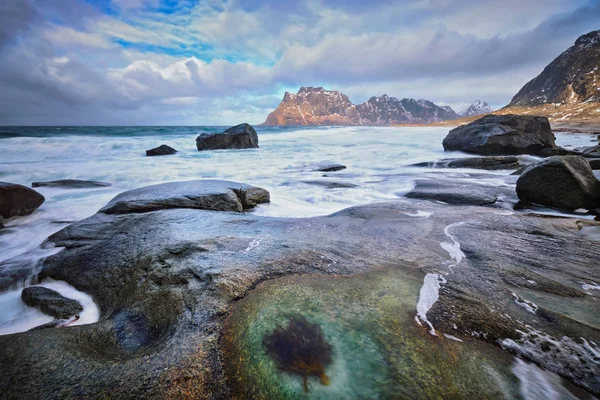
200	194
162	150
487	163
560	182
71	184
502	134
331	168
50	302
241	136
18	200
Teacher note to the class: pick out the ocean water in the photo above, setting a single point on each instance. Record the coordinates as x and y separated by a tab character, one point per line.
378	161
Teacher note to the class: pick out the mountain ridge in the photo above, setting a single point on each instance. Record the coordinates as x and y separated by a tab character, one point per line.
316	106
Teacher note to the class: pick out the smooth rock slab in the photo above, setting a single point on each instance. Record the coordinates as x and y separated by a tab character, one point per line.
561	182
18	200
331	168
199	194
456	192
502	134
71	184
50	302
162	150
487	163
242	136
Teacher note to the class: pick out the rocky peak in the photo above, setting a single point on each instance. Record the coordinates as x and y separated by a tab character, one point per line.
318	106
572	78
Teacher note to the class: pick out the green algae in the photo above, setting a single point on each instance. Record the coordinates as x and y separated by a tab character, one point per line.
378	351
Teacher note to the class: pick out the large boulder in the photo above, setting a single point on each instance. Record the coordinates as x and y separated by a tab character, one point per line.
560	182
242	136
162	150
71	184
502	134
200	194
50	302
18	200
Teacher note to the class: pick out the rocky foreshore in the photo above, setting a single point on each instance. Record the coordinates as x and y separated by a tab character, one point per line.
187	293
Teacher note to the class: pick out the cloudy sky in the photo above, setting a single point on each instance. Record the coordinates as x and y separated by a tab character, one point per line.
221	62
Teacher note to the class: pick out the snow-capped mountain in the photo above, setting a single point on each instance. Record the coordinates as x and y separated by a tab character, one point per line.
477	108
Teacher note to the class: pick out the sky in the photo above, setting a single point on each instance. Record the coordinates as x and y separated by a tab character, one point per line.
223	62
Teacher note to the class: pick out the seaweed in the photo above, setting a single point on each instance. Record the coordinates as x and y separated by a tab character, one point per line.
300	348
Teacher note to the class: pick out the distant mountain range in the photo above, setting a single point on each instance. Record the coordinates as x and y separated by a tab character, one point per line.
477	108
315	106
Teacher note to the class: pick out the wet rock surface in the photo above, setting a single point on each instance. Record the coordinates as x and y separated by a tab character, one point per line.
241	136
200	194
71	184
502	135
50	302
487	163
457	192
16	200
330	168
185	295
162	150
560	182
331	184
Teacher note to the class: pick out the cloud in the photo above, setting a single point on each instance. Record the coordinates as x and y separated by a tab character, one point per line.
224	61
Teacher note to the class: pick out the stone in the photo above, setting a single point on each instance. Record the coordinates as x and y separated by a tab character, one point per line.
565	182
18	200
50	302
162	150
331	184
71	184
456	192
502	135
331	168
200	194
242	136
487	163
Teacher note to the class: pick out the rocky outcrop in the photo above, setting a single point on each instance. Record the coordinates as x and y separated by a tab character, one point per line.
572	78
18	200
162	150
502	134
71	184
487	163
187	296
457	192
317	106
561	182
241	136
200	194
50	302
477	108
330	168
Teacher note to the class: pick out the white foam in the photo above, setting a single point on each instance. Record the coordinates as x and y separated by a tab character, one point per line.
526	304
420	214
16	316
538	384
453	247
428	296
592	286
452	337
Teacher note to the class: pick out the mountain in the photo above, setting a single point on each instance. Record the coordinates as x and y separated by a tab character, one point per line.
572	78
477	108
317	106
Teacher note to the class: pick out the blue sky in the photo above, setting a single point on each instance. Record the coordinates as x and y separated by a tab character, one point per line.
106	62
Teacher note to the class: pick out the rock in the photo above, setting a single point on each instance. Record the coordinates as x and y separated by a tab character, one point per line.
162	150
488	163
502	134
187	295
594	163
331	184
1	222
18	200
557	151
457	192
331	168
71	184
50	302
200	194
565	182
242	136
